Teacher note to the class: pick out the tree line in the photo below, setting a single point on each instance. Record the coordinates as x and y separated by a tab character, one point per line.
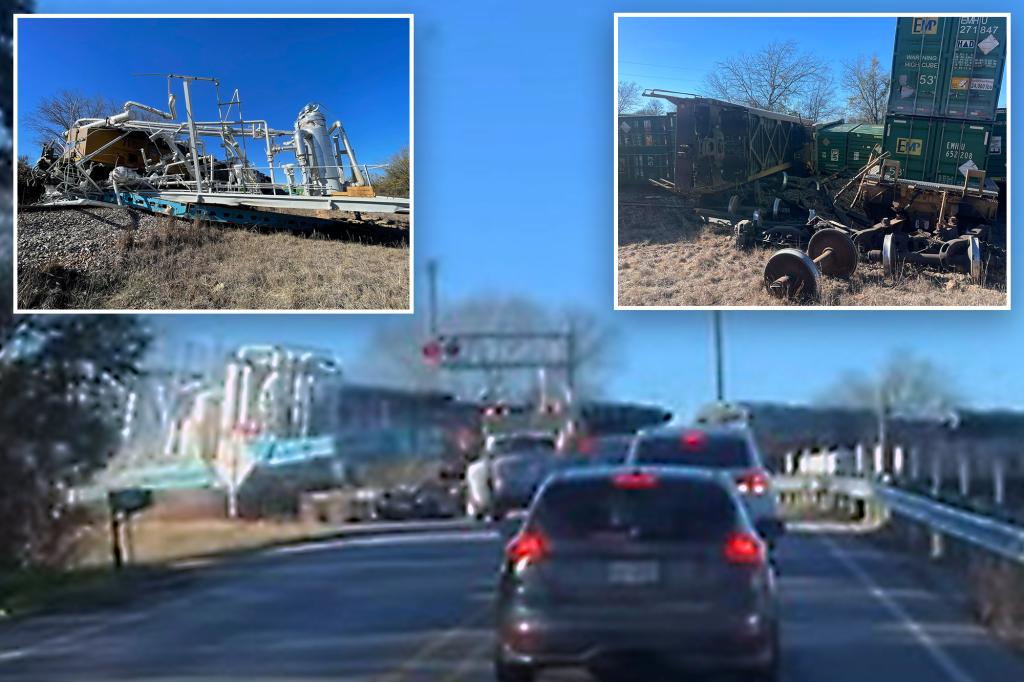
779	77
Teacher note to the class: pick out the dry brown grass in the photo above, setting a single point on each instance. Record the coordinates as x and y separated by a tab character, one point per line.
668	259
157	541
192	266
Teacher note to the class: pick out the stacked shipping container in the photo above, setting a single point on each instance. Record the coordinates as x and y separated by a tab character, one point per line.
946	77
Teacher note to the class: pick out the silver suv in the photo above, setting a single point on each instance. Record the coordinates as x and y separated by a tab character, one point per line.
618	569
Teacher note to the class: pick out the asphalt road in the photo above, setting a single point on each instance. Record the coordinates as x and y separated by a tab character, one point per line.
417	609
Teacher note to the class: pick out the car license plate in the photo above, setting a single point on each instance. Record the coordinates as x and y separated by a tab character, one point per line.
633	572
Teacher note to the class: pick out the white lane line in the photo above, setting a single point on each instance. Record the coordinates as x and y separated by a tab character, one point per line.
953	671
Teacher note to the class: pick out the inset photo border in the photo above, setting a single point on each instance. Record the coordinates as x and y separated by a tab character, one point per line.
811	161
213	163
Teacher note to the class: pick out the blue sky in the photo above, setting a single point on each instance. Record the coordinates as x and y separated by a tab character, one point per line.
678	53
357	69
514	161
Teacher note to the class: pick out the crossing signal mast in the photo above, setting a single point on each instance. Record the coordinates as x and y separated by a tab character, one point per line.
491	351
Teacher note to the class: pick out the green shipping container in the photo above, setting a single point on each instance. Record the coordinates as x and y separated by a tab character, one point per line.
995	168
863	141
948	66
975	76
919	61
646	143
936	150
831	147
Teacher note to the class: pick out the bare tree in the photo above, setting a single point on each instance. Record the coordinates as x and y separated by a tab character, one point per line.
394	355
57	114
867	87
654	107
906	385
629	96
775	78
819	103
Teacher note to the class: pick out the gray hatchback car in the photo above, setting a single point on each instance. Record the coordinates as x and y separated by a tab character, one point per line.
619	566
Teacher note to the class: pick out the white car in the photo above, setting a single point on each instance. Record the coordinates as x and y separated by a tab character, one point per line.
730	449
507	473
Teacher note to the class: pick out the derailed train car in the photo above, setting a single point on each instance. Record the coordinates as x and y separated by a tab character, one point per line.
720	146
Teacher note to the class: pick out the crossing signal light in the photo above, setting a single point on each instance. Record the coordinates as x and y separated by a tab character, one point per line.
432	352
436	351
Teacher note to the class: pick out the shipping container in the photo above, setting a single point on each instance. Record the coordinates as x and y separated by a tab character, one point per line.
920	55
998	148
847	147
831	147
645	148
936	149
975	74
862	143
948	66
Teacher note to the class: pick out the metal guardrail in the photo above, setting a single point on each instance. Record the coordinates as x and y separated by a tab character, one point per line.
1004	539
1000	538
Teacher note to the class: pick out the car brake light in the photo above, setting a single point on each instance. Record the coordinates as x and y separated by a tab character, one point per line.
529	546
635	480
744	548
753	483
694	439
586	445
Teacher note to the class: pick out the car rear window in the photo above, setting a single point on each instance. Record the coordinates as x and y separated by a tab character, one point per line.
672	510
523	443
604	449
698	450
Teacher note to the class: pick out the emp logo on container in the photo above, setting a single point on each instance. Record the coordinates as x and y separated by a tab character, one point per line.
926	26
909	146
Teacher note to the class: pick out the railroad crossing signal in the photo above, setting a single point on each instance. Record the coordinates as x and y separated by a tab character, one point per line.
441	349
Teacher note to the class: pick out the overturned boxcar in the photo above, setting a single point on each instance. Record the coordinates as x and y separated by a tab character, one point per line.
719	146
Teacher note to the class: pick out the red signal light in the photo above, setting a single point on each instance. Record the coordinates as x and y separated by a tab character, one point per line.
529	546
745	549
432	352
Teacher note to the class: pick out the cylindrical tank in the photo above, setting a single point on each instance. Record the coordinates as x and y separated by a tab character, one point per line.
312	122
229	408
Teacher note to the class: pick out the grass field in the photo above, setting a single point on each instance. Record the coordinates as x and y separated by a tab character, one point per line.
168	264
666	258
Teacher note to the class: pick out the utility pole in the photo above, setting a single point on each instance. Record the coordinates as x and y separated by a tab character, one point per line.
570	362
432	296
716	330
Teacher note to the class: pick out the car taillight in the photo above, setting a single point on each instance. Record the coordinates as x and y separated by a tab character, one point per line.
694	439
744	548
635	480
586	445
529	546
753	483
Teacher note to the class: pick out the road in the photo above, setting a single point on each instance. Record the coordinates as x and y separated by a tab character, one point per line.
417	609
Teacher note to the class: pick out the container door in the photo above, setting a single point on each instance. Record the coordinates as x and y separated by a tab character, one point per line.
920	57
978	55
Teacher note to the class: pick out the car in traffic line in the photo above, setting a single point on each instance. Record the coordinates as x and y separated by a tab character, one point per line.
615	565
728	449
508	473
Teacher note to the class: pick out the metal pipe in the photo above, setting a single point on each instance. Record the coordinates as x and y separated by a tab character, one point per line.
359	179
192	140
